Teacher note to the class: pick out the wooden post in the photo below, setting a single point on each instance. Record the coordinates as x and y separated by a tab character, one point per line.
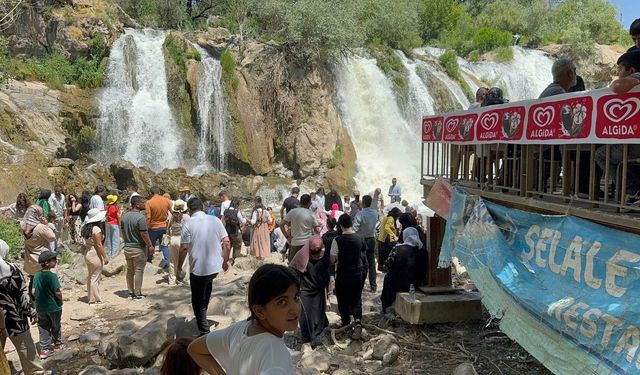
437	277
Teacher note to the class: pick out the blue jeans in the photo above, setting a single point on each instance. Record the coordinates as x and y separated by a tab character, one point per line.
113	239
156	237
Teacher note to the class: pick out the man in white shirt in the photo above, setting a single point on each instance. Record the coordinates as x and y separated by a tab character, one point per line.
226	202
206	241
299	225
97	200
58	205
395	202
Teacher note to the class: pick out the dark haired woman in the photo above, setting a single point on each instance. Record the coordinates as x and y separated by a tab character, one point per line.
74	217
255	346
85	201
177	360
95	255
19	208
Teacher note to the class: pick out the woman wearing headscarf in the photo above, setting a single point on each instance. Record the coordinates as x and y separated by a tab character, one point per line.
43	201
38	238
17	307
404	267
387	237
335	211
321	218
95	256
313	267
260	239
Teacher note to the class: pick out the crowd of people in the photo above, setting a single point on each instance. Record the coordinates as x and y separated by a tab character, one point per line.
330	243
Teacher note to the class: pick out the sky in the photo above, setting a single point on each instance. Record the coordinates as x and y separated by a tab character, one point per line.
629	10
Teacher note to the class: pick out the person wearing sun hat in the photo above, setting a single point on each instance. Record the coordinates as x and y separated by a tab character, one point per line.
95	255
174	230
185	193
112	228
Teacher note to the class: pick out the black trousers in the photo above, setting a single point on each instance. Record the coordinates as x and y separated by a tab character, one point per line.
200	296
370	268
384	248
349	295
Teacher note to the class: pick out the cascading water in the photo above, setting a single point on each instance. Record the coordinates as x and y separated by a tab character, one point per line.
524	77
386	144
211	114
420	102
136	123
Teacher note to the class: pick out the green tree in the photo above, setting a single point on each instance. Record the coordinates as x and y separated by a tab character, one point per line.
437	16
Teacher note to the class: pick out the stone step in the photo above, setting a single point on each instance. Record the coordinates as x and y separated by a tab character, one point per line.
438	308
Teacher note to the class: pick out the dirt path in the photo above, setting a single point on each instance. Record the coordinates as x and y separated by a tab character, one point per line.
424	349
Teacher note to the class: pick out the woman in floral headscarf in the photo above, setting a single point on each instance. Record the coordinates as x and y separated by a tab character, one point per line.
38	238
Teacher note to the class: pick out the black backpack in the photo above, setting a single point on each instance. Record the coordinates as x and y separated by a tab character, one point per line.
231	222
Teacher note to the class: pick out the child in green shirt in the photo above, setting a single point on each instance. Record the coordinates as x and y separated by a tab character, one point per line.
46	288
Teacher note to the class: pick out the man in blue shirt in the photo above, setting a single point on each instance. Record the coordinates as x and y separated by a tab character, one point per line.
394	190
365	225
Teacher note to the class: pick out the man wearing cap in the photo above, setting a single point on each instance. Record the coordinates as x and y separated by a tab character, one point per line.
137	246
185	193
207	243
157	212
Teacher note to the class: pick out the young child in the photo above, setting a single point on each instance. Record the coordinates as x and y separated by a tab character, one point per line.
48	297
177	361
255	346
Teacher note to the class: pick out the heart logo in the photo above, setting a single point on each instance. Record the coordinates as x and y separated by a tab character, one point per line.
618	110
452	124
426	127
543	116
489	121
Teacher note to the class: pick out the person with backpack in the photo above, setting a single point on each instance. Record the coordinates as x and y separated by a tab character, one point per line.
234	224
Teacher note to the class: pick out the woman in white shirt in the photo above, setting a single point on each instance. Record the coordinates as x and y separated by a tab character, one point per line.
255	346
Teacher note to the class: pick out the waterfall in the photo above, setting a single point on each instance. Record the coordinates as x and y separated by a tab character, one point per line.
420	102
524	77
136	123
386	144
211	114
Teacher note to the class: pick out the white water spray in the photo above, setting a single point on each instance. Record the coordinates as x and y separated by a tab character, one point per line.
136	123
211	115
386	144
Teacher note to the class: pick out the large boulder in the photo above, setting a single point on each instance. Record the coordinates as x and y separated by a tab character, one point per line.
127	349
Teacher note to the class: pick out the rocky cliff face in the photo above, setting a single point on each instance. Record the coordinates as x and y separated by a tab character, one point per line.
283	112
42	26
36	125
